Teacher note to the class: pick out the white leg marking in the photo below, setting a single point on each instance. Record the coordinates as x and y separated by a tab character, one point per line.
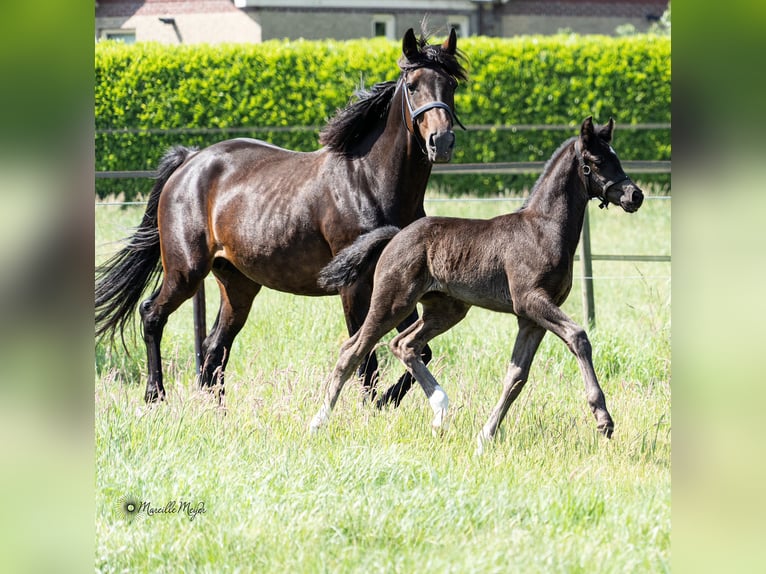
320	419
439	403
482	439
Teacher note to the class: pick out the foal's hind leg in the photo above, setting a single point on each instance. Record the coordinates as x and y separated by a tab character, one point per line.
237	294
395	393
356	304
550	316
527	342
440	313
390	306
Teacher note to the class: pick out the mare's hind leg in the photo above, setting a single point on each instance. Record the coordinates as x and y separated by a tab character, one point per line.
527	342
440	313
175	289
237	294
395	393
547	314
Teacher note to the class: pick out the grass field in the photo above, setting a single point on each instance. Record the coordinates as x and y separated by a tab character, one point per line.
376	492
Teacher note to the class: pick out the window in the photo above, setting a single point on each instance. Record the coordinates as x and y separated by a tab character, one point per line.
384	25
460	24
126	36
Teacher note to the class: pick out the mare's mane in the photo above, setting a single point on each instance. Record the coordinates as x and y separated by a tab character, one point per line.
349	125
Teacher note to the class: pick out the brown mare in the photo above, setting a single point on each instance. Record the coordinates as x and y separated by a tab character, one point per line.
257	215
518	263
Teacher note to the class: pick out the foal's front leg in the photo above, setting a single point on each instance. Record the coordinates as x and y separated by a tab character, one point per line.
547	314
527	342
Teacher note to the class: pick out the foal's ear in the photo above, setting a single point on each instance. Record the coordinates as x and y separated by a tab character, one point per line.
410	45
607	130
586	130
450	44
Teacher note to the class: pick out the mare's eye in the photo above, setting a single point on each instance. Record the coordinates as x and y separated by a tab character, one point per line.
411	87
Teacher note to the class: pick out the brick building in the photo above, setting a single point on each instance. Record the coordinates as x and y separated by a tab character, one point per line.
216	21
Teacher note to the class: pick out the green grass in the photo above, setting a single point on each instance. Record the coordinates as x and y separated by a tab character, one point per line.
376	492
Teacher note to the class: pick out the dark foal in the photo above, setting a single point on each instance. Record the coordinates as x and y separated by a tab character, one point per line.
518	263
261	216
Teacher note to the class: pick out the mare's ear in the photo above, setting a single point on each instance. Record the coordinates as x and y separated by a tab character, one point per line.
410	45
586	130
607	130
450	44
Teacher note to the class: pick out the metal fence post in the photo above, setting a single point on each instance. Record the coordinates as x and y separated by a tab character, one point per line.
200	328
586	265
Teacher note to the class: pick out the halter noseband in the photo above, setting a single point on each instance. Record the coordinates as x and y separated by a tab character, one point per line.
415	113
588	174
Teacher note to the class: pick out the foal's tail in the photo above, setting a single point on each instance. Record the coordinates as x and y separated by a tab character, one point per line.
348	265
122	280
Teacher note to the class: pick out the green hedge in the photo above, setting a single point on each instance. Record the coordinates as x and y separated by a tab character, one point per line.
528	80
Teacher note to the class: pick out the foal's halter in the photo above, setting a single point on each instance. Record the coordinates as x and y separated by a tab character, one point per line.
415	113
588	175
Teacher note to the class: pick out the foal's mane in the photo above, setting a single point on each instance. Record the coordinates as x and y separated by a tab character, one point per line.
547	169
351	124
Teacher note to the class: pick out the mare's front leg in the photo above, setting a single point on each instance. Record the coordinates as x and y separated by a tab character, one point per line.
549	315
527	342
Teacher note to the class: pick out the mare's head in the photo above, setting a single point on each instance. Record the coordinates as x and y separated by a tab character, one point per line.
601	170
430	75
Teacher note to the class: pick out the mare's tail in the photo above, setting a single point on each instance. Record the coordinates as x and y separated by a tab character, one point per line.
348	265
123	278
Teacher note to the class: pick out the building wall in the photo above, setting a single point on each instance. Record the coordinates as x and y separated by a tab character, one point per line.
207	21
519	24
579	16
216	21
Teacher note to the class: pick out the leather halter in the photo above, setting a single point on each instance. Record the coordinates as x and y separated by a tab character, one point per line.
415	113
588	176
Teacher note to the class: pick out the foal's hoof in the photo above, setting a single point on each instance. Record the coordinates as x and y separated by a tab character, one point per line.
481	441
484	441
320	419
440	423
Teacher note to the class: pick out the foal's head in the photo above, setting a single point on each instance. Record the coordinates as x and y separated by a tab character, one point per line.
601	169
430	75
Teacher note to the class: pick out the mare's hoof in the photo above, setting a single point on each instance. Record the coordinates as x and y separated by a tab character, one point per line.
606	429
154	396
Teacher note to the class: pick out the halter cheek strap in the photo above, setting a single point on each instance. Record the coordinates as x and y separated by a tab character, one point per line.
415	113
